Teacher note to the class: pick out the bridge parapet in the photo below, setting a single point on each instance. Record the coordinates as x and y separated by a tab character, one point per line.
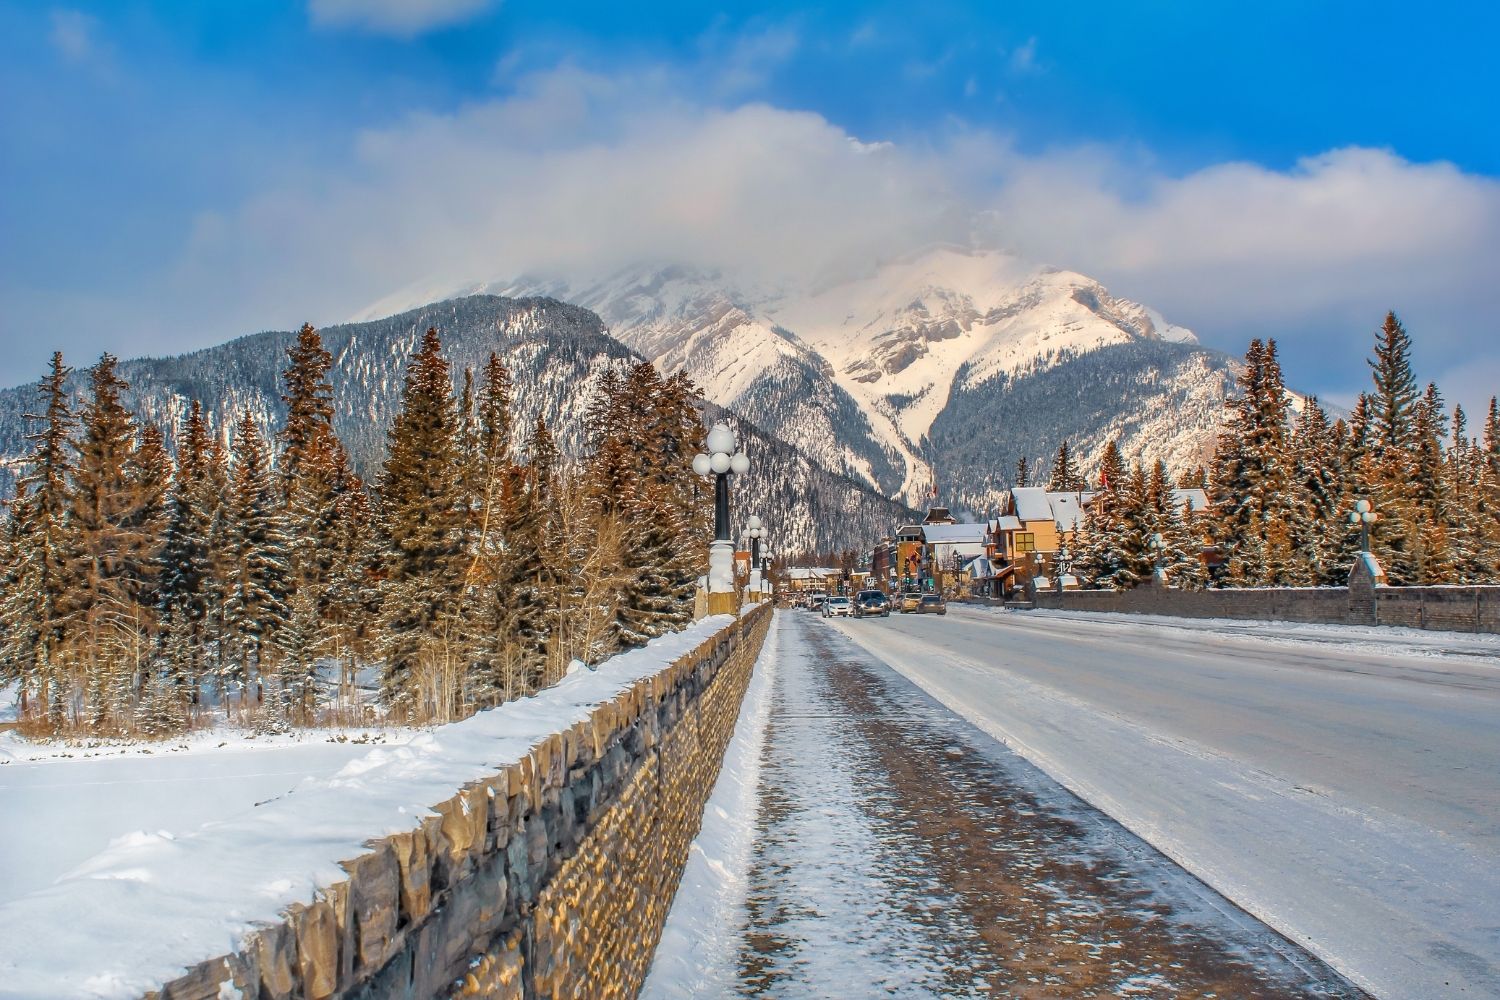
550	878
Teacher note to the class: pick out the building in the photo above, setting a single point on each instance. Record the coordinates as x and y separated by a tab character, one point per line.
950	549
1033	526
808	579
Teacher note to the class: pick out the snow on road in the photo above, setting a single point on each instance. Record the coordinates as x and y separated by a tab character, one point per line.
1345	793
899	851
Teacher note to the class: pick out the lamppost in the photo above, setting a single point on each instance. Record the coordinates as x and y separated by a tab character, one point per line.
755	531
723	459
1364	516
1157	546
1064	565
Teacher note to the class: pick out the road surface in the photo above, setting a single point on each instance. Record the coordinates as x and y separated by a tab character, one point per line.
1342	786
899	851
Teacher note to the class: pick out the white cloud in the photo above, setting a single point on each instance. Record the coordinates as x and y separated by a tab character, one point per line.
1315	254
402	18
578	171
74	34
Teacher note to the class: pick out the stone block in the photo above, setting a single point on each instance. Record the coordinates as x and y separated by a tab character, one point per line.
374	901
275	951
318	934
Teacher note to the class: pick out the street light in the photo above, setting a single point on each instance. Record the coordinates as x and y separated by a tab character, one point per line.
1156	545
754	531
1364	516
723	459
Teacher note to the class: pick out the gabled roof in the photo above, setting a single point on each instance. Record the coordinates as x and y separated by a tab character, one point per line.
1029	503
979	568
1007	522
1068	508
948	534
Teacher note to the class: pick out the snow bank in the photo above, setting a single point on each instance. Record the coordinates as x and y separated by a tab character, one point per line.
701	940
155	901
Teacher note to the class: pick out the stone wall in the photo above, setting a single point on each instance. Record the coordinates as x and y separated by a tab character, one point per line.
551	878
1462	609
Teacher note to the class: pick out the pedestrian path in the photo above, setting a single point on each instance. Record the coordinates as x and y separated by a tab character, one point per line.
902	852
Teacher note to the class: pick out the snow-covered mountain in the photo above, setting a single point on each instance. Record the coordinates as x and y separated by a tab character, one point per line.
554	351
933	372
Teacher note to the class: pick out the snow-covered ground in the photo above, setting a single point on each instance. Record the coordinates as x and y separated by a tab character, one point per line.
60	806
1342	784
171	889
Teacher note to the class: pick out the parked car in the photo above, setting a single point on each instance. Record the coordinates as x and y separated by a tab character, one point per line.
932	604
836	607
871	602
909	601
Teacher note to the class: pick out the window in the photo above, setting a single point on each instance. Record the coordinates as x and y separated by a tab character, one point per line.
1025	541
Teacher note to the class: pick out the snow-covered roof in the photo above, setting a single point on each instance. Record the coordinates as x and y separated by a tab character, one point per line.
1029	503
1192	500
949	534
811	572
1007	522
979	568
1068	508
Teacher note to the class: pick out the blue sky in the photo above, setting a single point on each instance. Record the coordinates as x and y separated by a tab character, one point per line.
178	173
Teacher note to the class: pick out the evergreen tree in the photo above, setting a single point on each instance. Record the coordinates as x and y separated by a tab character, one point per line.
259	582
313	468
1023	472
1393	404
149	470
1389	466
39	581
185	589
1065	477
1253	484
109	554
1319	527
1179	556
1111	467
352	597
1433	516
423	525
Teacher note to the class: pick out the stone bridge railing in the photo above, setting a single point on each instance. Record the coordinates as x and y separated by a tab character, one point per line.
551	878
1462	609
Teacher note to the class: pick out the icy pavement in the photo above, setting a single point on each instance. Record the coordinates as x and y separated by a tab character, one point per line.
902	852
1343	785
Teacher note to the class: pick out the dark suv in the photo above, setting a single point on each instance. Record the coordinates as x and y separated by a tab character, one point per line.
932	604
871	602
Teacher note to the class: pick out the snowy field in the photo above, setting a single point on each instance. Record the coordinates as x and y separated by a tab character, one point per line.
180	867
60	806
1342	784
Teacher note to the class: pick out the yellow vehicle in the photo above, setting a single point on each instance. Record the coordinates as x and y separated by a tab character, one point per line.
910	601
